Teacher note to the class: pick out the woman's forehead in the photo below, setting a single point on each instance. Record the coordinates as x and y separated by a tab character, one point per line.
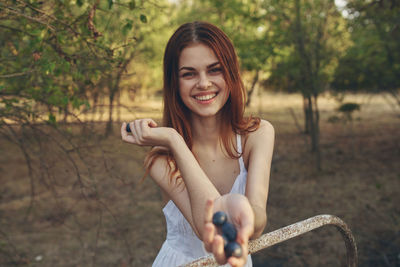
197	54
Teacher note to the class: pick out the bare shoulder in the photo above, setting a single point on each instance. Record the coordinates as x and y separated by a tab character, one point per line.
260	142
264	133
266	126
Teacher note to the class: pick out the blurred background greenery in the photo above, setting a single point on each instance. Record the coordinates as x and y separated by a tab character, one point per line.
64	58
71	69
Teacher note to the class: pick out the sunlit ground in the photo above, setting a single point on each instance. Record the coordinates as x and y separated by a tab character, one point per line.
93	211
371	105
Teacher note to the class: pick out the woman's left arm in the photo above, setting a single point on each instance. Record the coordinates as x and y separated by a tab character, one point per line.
248	213
260	144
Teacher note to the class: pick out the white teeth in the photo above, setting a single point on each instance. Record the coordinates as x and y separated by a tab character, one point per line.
205	97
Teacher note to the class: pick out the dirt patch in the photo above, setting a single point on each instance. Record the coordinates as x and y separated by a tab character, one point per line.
89	208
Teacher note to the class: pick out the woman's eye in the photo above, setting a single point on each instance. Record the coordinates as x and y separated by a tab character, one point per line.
187	74
215	70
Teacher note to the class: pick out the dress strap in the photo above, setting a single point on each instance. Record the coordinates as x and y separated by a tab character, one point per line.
239	149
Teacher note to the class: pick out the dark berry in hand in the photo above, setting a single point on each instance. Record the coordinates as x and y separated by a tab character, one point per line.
233	249
229	231
128	128
219	218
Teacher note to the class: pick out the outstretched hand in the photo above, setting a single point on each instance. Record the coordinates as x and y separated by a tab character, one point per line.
144	132
241	215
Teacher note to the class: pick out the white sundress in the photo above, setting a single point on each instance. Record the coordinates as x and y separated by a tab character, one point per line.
182	246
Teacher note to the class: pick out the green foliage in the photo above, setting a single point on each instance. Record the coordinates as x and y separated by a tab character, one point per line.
372	63
246	24
143	18
52	119
110	3
311	36
132	5
61	55
127	27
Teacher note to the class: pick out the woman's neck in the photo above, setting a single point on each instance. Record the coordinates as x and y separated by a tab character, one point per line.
206	131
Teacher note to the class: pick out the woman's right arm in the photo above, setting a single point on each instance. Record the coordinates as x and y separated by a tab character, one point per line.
175	189
198	187
160	170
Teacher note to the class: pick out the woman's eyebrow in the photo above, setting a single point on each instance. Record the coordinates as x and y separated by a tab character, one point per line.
213	65
186	68
208	67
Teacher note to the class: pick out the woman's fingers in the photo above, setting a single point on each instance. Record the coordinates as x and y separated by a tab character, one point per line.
139	131
208	236
212	242
136	131
242	217
152	123
209	228
237	262
125	135
209	211
218	249
243	241
145	127
244	233
242	260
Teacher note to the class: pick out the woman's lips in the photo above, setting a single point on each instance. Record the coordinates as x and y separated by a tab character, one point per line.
205	97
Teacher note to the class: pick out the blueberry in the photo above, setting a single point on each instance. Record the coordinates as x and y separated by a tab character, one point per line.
233	249
229	231
219	218
128	128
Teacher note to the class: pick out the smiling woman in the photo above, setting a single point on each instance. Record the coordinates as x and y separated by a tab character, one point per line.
202	86
207	156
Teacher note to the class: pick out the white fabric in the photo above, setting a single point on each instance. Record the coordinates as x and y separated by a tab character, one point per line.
182	245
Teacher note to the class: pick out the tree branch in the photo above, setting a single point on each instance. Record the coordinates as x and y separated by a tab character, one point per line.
13	11
17	74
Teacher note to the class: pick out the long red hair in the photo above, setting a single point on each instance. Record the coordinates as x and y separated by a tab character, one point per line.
177	115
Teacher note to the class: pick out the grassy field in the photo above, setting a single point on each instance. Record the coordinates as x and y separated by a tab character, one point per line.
82	202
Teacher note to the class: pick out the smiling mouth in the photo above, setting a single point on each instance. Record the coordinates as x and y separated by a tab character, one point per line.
205	97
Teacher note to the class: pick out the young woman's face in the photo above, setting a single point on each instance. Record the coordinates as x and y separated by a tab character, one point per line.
202	85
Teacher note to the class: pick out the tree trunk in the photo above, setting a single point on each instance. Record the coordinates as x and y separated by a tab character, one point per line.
101	108
306	115
113	88
253	86
313	124
316	134
309	90
94	108
119	107
65	119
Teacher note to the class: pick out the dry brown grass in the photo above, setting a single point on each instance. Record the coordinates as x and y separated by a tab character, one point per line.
106	217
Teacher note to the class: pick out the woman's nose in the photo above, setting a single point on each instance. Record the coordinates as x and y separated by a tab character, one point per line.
204	82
